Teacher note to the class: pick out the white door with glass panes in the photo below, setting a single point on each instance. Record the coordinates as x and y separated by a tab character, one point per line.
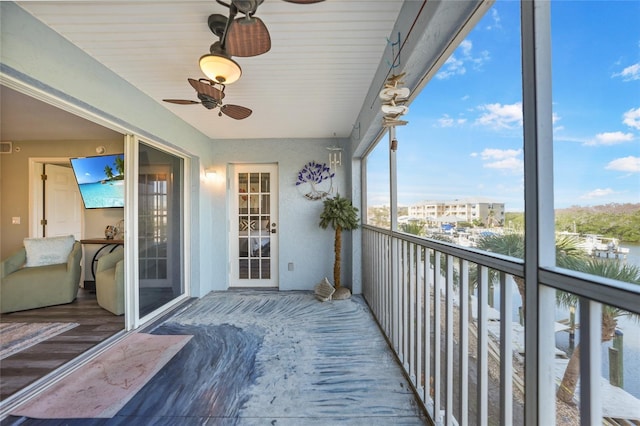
254	225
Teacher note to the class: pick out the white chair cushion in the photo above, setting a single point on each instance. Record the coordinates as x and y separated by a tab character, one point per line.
48	251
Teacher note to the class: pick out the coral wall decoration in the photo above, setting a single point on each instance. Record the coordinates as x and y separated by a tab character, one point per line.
315	180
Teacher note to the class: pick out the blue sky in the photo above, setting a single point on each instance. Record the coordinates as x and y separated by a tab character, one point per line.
464	137
91	169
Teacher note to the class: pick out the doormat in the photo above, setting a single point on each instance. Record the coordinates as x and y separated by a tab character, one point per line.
100	388
18	336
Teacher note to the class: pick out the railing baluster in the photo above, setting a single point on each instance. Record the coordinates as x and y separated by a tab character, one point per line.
483	369
437	344
506	351
464	343
412	313
590	358
387	285
404	284
428	353
420	302
449	340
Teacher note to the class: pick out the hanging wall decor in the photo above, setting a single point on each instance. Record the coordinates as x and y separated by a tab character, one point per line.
393	98
315	180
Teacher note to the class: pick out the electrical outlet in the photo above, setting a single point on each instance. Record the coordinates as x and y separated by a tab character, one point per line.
15	220
291	266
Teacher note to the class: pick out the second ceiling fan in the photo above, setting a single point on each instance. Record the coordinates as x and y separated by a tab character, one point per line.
211	95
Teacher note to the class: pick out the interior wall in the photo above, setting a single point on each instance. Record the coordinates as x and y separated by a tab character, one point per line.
75	78
14	185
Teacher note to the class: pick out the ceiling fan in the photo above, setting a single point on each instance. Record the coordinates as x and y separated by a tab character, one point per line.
211	95
248	35
244	36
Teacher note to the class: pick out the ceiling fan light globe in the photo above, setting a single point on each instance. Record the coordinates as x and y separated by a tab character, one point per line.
220	68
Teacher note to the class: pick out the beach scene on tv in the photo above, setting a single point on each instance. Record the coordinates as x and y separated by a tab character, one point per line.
101	180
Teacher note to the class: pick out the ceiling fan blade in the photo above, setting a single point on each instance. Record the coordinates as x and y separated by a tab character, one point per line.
247	36
181	101
235	111
205	87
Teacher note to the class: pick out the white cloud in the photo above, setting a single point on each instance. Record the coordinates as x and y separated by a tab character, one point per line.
503	159
500	116
499	154
511	164
446	121
632	118
466	47
456	63
496	20
597	193
555	118
610	138
453	66
630	73
625	164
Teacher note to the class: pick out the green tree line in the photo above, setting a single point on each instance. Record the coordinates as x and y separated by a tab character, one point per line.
612	220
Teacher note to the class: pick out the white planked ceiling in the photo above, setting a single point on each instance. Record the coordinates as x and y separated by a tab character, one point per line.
311	84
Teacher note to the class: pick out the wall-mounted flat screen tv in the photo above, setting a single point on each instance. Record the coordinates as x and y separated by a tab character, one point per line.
101	180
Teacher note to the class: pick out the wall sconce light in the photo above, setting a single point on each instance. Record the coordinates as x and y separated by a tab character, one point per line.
335	156
210	174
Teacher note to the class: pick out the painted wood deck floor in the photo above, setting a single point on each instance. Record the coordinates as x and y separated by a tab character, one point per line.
271	358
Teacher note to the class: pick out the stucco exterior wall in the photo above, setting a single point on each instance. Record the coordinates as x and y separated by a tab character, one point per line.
301	241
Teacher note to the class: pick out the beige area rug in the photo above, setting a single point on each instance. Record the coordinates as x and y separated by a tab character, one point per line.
18	336
103	386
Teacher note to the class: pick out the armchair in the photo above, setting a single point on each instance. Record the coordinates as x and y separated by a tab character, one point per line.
23	288
110	282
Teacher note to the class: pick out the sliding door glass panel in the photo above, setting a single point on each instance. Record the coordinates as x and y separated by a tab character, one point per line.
160	236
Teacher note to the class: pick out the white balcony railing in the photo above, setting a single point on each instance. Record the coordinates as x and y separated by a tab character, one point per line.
462	350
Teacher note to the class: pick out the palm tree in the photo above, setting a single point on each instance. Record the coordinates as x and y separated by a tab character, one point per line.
342	216
605	268
568	253
120	166
108	171
415	228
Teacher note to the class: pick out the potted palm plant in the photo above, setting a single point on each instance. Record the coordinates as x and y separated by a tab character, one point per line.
341	215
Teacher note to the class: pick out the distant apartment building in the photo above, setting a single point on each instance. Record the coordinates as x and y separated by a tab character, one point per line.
486	211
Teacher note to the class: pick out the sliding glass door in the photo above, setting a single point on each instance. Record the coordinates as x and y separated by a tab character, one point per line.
160	228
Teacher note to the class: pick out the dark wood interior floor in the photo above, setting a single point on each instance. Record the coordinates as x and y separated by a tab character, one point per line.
96	325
